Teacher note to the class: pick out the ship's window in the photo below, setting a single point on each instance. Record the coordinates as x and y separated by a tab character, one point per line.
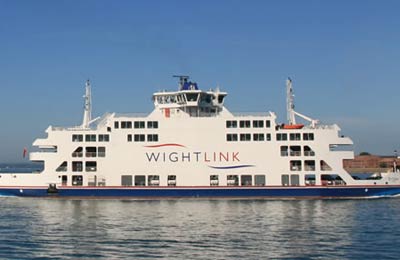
77	166
126	180
126	124
91	166
309	179
285	179
244	124
258	137
77	138
152	124
139	124
231	137
101	151
268	137
77	180
220	98
309	165
92	181
308	151
268	124
295	165
294	180
116	124
214	180
295	137
90	138
324	166
64	180
129	138
281	137
140	180
295	150
246	180
139	138
171	181
232	180
259	180
191	97
62	167
78	152
258	123
91	152
245	137
308	136
108	129
231	124
152	138
327	179
284	151
104	138
153	180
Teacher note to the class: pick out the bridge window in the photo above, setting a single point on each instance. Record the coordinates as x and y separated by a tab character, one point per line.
231	137
258	123
231	124
245	137
139	124
308	136
139	138
258	137
152	124
295	137
77	138
192	97
244	124
152	138
104	138
126	124
90	138
281	137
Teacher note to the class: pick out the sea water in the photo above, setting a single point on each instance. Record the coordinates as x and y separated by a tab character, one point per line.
44	228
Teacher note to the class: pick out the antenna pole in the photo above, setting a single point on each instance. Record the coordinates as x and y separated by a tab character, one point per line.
87	113
290	103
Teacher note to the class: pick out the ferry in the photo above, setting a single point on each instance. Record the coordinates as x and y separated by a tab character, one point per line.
191	145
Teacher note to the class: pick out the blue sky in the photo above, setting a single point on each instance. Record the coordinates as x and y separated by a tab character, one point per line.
343	56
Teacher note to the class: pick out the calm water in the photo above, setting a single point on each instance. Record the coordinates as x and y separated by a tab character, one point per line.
199	229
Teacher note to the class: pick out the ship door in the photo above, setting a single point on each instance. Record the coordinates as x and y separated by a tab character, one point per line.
64	180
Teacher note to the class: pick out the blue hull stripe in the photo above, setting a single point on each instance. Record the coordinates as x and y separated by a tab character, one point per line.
319	192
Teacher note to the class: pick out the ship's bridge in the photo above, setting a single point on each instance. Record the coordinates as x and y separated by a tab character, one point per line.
189	99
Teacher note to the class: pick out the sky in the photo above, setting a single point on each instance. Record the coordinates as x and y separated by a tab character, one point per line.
343	58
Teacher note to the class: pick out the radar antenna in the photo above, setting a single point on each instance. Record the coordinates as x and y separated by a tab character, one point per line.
182	80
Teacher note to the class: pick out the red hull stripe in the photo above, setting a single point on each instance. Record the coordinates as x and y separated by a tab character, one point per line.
162	145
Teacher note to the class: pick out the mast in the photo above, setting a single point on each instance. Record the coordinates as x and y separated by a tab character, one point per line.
290	102
87	112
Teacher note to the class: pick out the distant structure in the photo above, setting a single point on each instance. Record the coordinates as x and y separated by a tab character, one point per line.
371	163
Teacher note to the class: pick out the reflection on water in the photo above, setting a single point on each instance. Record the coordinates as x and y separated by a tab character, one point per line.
199	229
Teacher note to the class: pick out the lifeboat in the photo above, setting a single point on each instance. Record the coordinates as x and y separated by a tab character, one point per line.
295	126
